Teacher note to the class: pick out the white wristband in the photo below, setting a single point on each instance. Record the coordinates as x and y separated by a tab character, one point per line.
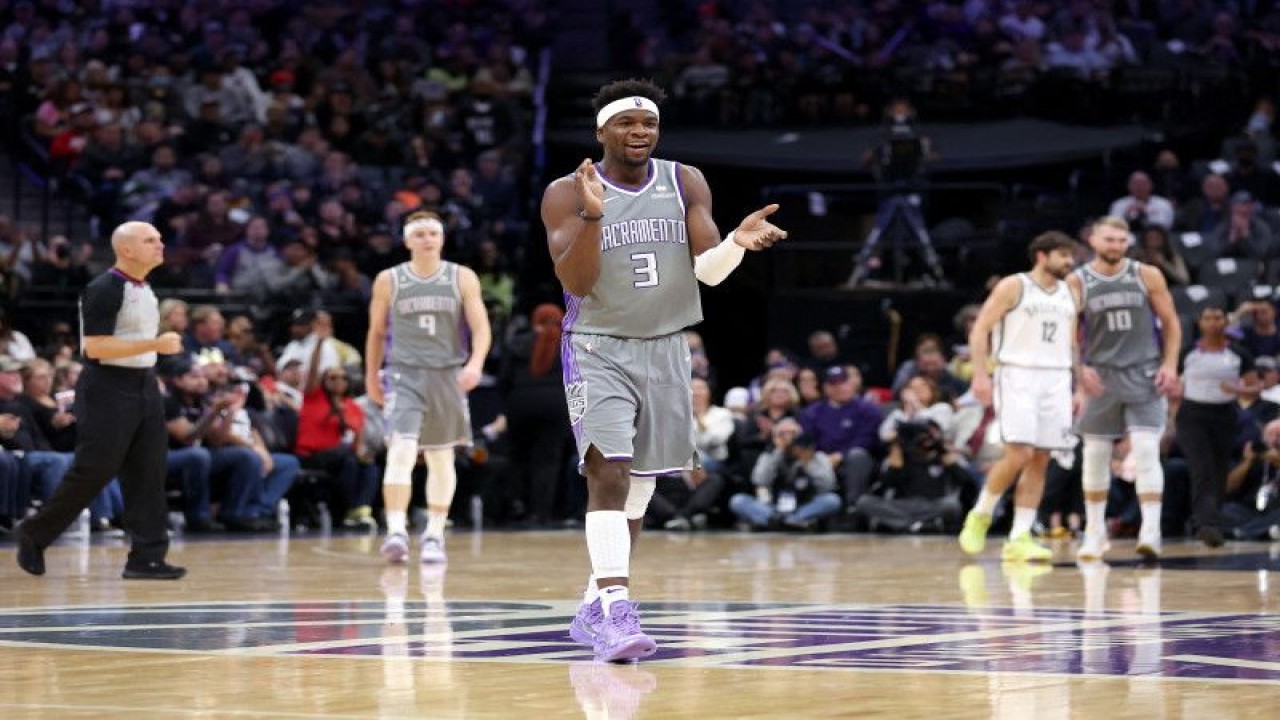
714	265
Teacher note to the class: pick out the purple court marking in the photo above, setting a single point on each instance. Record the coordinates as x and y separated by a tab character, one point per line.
915	638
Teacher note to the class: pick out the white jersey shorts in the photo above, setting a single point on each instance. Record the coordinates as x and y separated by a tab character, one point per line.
1033	406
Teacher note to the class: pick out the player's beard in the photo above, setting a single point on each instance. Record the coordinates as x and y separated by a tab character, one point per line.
1060	271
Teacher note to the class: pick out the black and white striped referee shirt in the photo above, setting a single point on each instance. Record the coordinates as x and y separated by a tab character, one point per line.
115	304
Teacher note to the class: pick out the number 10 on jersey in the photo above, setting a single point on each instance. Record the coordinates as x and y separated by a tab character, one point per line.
1119	320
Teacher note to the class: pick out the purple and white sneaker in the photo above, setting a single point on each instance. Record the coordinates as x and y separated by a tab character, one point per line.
586	623
396	547
620	638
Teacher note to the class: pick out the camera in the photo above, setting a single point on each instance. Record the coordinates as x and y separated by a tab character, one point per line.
62	252
921	441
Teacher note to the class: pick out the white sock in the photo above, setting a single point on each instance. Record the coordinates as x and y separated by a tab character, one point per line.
1023	520
1095	518
1151	510
435	524
592	592
397	522
611	595
986	502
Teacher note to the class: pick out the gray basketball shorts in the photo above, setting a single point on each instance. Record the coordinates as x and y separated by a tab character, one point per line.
428	404
630	399
1129	402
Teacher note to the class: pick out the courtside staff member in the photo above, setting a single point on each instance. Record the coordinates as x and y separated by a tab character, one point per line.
119	412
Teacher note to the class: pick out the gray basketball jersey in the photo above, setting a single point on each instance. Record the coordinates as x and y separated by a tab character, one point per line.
646	288
426	318
1120	328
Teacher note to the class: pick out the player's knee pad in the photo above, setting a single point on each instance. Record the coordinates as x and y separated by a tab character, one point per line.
1146	461
402	453
1095	470
639	495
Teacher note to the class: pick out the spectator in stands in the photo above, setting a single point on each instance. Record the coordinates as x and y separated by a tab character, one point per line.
253	354
713	428
1257	327
961	365
201	451
808	384
305	336
845	428
207	332
174	316
794	484
1141	207
1243	234
330	438
250	267
13	495
824	351
13	343
1248	174
918	402
1153	248
1251	502
19	432
1204	213
778	400
63	265
145	188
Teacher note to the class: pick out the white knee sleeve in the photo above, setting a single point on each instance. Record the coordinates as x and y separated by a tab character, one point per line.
442	478
639	495
401	456
1146	460
1095	471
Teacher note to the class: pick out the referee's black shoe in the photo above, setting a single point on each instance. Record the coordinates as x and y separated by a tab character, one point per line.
30	555
153	571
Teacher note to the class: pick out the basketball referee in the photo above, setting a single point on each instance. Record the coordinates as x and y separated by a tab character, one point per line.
118	408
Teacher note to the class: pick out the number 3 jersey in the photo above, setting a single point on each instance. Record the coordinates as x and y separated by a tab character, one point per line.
646	287
1037	332
1120	328
426	318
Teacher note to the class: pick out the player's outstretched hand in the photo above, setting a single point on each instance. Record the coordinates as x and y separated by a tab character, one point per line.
755	232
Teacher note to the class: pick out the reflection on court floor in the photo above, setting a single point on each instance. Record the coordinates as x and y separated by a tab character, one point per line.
975	638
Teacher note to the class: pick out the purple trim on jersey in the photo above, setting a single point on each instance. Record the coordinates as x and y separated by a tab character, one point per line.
127	278
572	306
675	170
653	174
571	373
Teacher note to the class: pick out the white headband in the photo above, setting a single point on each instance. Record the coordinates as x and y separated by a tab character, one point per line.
635	102
408	228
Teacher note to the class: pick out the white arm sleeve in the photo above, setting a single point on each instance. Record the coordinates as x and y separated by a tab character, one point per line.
714	265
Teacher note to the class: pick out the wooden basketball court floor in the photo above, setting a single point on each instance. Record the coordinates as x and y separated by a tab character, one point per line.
749	626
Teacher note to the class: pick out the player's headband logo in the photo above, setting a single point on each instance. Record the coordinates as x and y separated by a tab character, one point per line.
634	102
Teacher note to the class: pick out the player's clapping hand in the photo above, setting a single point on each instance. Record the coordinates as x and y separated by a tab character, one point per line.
169	343
755	232
590	189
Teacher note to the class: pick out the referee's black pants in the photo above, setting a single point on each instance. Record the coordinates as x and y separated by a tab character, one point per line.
120	432
1207	435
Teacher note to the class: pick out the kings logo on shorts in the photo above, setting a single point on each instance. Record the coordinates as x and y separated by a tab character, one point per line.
576	395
